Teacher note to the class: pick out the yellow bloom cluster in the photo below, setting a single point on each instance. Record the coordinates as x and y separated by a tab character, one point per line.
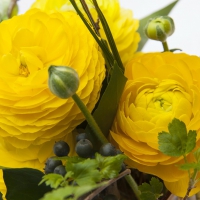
31	117
121	22
160	87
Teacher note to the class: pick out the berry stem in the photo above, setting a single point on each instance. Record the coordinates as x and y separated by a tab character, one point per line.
91	121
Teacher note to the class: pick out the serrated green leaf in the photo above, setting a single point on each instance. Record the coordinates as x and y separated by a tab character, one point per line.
166	145
188	166
84	171
145	187
110	166
177	142
148	196
53	180
191	141
156	185
143	22
108	103
151	191
23	183
74	192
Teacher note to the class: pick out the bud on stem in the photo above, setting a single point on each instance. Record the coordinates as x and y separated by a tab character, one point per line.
160	28
63	81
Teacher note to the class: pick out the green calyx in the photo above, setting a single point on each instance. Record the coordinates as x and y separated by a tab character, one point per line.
160	28
63	81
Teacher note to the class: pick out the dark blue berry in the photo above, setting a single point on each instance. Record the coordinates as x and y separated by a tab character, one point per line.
60	170
84	148
61	148
108	150
51	164
81	136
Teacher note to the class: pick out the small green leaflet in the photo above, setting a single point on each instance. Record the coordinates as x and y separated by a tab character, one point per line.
151	191
84	172
53	180
194	165
72	192
177	142
110	166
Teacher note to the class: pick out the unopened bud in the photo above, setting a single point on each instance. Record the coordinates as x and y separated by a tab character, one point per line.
160	28
4	9
63	81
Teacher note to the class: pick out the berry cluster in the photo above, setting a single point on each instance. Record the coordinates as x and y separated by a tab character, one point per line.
84	149
52	165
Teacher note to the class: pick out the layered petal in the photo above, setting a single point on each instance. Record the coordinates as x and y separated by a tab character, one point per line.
121	22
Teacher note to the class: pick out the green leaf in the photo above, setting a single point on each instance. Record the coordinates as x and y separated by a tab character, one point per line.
109	102
53	180
151	191
156	185
23	183
110	166
188	166
143	22
177	142
84	172
70	191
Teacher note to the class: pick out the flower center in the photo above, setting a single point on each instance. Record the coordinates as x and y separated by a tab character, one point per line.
163	104
23	69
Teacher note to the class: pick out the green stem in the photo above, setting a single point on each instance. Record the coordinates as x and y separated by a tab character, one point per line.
133	186
165	46
109	36
102	45
95	128
185	159
92	123
85	7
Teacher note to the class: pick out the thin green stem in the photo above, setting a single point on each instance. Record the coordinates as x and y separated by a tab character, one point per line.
185	159
92	123
102	45
85	7
133	186
109	35
165	46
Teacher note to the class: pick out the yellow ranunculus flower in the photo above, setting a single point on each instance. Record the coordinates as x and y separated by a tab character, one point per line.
160	87
121	22
31	117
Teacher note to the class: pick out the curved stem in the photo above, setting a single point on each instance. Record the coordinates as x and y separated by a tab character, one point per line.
165	46
133	186
92	123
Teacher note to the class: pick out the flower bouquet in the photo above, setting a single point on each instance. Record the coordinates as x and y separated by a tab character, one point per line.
85	114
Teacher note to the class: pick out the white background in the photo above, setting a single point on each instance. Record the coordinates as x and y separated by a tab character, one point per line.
186	15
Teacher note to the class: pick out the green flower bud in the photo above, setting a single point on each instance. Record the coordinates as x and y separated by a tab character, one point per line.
63	81
160	28
4	7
